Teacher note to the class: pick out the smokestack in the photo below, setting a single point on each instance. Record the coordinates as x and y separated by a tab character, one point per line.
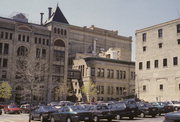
50	9
42	18
94	46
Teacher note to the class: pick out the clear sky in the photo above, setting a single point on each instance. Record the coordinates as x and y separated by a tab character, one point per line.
126	16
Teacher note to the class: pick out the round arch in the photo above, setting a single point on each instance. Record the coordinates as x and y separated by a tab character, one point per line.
59	43
22	51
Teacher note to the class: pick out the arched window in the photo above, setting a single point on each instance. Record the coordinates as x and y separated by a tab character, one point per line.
62	32
54	30
58	30
65	32
59	43
22	51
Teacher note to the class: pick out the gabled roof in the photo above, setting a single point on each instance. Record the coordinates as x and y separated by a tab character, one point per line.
58	16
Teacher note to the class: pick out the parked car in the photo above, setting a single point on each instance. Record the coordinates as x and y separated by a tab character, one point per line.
167	107
146	109
159	107
71	114
172	117
121	109
25	108
12	109
176	105
100	111
42	113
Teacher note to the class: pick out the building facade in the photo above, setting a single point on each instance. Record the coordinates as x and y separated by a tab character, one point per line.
114	79
157	57
37	57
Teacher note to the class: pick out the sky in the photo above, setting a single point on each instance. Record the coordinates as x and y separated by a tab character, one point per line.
126	16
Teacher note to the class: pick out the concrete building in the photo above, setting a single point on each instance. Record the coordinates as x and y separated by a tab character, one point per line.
157	62
48	49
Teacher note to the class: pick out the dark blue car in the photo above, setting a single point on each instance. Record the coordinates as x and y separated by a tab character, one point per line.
71	114
42	113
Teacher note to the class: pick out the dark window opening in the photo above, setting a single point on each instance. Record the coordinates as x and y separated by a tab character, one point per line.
175	60
160	45
6	35
19	37
43	53
144	87
144	37
160	33
156	64
148	65
1	48
178	28
161	86
165	62
2	35
140	65
10	37
5	63
144	48
27	38
6	49
178	41
23	38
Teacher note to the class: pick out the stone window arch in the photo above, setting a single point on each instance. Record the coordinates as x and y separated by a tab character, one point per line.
62	32
59	43
22	51
65	32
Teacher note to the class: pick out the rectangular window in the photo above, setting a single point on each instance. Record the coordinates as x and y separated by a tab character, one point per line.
179	86
98	72
124	76
35	40
156	64
43	53
39	40
102	89
6	35
5	63
23	38
27	38
117	74
6	49
144	48
140	65
2	35
144	37
19	37
121	74
102	72
160	45
175	60
178	28
37	53
43	41
1	48
10	36
161	86
4	74
117	90
144	87
178	41
112	73
92	71
47	42
108	73
165	62
160	33
148	65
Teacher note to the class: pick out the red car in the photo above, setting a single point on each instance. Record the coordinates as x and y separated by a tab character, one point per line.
12	109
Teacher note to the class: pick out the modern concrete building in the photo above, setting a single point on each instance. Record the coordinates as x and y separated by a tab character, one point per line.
157	62
47	51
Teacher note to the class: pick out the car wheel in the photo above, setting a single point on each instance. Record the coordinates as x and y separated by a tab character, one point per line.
109	120
95	119
176	108
42	119
118	117
52	119
131	117
153	115
32	118
68	120
142	115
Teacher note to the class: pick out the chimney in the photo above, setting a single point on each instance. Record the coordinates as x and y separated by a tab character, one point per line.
42	18
50	9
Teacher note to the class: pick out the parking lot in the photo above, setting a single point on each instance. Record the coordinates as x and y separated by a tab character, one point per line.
25	117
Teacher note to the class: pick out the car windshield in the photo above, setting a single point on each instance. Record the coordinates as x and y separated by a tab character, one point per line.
12	106
77	108
47	108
